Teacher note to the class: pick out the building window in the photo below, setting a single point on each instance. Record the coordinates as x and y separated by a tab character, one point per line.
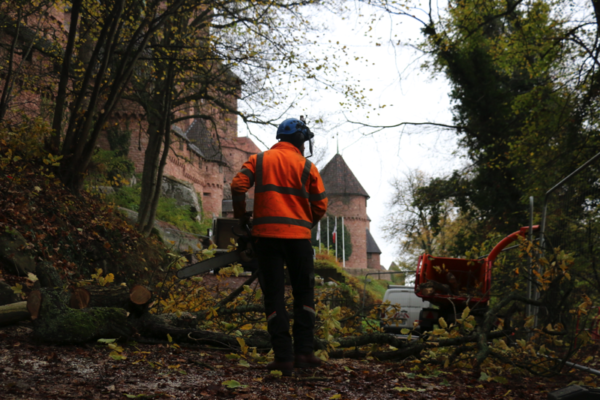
206	194
220	168
369	255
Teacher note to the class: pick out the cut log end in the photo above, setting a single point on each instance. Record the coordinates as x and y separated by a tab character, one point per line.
80	299
34	301
139	295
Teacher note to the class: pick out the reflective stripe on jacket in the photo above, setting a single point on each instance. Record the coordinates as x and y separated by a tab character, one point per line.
289	194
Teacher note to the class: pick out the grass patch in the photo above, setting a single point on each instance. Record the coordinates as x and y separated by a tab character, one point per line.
376	288
167	210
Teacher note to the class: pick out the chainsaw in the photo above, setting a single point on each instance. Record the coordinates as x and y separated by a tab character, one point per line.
225	229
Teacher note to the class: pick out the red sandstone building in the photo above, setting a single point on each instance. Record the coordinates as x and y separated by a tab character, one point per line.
348	199
205	158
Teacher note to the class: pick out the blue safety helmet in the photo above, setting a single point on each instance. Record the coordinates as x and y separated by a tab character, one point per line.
293	125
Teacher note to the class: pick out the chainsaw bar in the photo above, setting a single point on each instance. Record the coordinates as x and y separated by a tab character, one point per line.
208	265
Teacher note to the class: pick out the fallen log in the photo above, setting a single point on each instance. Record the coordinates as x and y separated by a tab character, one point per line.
415	348
159	326
140	295
135	300
57	323
430	287
15	312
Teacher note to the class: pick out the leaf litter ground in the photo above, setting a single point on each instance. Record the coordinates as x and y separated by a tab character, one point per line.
32	371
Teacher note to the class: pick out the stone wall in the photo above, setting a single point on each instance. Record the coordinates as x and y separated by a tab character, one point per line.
361	272
354	211
35	78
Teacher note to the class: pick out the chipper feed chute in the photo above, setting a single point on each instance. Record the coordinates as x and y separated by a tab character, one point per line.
450	282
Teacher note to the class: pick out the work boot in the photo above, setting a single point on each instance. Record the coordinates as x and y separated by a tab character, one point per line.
307	361
286	367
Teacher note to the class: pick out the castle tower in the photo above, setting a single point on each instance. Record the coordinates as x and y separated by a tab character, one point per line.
348	199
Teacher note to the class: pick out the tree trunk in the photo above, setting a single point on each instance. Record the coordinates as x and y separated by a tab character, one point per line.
92	108
14	312
61	96
5	99
149	175
155	157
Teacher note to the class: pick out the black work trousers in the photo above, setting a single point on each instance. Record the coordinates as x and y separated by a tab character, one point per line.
297	255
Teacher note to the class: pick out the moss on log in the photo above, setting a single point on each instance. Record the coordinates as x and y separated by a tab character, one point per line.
59	324
135	300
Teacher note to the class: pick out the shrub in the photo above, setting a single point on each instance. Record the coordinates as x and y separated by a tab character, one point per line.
108	168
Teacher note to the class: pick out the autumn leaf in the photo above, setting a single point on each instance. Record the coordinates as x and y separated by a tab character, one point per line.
443	323
17	289
233	384
465	313
407	389
244	363
117	356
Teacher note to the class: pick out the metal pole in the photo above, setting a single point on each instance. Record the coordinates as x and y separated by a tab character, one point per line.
336	236
327	235
319	230
343	245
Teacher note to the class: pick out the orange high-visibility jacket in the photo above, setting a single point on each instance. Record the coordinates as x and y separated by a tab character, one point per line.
289	194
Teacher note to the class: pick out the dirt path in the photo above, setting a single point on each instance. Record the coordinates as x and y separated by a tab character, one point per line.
32	371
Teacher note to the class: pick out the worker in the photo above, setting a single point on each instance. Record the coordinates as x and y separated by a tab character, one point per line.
289	200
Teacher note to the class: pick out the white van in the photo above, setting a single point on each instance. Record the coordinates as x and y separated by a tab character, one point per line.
411	307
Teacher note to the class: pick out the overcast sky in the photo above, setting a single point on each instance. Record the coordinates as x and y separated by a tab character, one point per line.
394	75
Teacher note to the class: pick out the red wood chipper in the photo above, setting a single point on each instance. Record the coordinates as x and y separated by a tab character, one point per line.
452	284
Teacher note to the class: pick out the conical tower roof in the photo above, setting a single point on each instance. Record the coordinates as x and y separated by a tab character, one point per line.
339	179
